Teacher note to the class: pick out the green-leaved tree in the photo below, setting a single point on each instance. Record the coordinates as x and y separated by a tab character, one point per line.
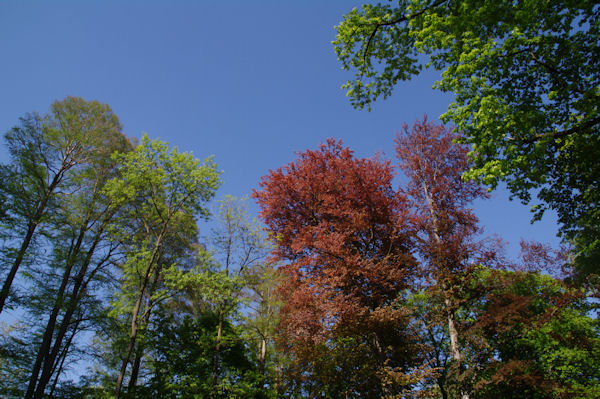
163	191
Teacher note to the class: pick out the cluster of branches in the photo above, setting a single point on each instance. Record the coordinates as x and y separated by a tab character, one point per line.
393	293
103	268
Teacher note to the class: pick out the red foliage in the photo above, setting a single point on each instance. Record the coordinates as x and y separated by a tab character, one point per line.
342	228
343	233
440	198
445	226
347	241
539	257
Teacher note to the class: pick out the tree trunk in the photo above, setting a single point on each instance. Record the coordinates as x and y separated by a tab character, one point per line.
61	360
76	295
49	332
454	344
262	356
135	366
216	356
132	339
15	267
124	364
135	369
386	390
134	316
442	390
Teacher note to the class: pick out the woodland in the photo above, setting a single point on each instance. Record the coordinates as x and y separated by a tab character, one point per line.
362	277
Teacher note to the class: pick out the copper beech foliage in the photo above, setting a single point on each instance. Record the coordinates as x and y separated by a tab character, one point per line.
348	236
445	225
345	235
342	228
446	229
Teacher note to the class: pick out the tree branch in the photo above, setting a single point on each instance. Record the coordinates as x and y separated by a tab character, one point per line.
563	133
403	18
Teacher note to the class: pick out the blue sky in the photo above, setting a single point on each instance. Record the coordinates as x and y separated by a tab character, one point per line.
248	82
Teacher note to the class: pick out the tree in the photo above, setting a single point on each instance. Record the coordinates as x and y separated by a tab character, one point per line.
162	192
525	82
239	249
47	153
197	341
262	282
81	251
341	229
446	228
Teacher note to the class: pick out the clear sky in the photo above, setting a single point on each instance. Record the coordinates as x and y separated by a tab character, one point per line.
250	82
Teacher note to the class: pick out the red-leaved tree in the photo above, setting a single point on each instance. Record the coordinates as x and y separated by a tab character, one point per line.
446	227
344	235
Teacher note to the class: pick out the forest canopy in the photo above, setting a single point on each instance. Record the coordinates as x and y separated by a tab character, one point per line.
126	272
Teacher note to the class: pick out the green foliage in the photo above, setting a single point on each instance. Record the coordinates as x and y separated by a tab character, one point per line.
15	359
164	182
50	157
182	355
162	192
74	139
59	162
526	90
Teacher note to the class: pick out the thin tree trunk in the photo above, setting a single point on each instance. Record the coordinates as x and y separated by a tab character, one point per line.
221	313
124	364
60	367
134	316
262	356
49	332
135	366
454	344
61	360
216	356
78	287
132	336
442	390
15	267
135	369
380	355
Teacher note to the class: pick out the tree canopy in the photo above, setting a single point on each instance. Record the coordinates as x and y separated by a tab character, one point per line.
344	234
367	278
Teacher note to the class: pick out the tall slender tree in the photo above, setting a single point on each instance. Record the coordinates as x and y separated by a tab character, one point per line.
262	282
446	227
161	191
239	248
82	220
